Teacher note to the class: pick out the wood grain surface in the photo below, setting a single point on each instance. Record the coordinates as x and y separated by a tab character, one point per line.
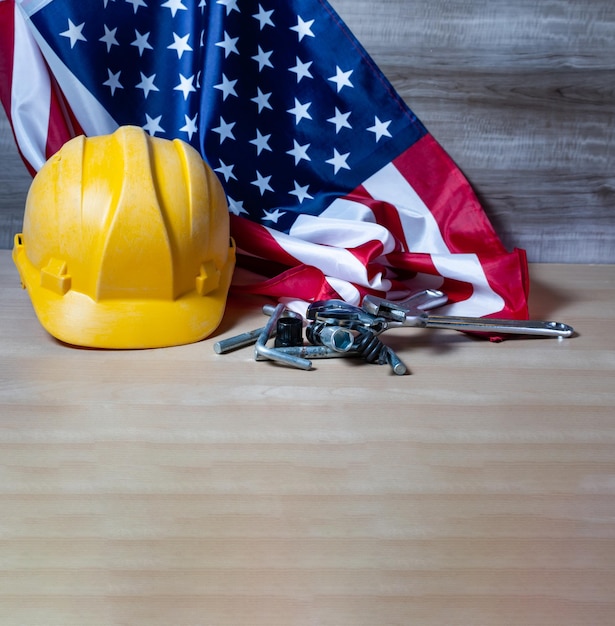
520	93
181	487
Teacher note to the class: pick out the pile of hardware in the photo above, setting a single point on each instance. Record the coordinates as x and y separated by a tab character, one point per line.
335	328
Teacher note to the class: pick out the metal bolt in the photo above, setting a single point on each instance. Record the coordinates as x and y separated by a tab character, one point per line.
311	352
397	365
239	341
333	337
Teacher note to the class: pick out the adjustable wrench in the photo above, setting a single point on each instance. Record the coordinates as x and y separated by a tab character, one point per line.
409	313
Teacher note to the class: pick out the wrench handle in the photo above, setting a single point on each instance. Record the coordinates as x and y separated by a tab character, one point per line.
494	325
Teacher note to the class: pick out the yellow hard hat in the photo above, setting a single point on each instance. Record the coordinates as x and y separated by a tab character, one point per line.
126	243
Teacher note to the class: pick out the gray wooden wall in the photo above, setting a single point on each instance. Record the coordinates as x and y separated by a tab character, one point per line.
521	93
14	182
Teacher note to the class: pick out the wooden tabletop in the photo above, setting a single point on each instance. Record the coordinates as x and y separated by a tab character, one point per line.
180	487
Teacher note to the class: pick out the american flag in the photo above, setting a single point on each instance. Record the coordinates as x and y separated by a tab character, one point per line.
335	188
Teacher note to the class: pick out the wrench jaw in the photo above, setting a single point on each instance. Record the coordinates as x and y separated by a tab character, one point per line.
408	312
424	300
384	308
378	314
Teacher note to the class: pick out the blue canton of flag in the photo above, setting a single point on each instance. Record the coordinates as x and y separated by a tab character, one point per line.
335	188
277	108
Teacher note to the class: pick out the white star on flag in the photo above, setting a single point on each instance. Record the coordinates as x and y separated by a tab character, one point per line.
175	6
235	206
190	126
186	85
74	33
147	84
262	100
261	142
262	182
301	70
224	130
273	216
262	58
136	4
300	111
141	42
341	79
339	161
226	171
299	152
180	44
227	87
152	126
264	17
304	29
109	38
301	192
229	44
231	5
340	120
380	129
113	82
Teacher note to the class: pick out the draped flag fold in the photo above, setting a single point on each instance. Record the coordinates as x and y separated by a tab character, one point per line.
335	188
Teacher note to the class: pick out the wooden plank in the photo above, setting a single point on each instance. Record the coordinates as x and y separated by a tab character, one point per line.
182	487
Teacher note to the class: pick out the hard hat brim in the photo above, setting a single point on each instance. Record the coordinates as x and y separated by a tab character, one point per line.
75	318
